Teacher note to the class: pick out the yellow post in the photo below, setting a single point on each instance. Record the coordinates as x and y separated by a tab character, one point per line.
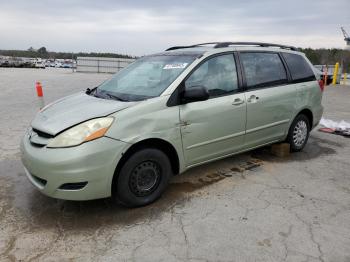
335	73
345	77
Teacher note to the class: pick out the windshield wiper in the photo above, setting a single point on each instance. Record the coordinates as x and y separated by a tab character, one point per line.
90	90
93	92
116	97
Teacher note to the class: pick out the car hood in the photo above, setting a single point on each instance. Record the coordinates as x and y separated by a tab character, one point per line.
73	110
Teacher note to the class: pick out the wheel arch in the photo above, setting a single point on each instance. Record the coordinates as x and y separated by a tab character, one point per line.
157	143
305	111
308	113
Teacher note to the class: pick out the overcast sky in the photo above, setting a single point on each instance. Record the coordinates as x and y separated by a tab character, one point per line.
142	27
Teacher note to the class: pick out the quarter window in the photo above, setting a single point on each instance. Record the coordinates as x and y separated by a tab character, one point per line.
263	69
299	68
218	75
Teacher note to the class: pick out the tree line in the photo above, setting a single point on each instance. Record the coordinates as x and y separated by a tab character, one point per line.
328	56
42	52
316	56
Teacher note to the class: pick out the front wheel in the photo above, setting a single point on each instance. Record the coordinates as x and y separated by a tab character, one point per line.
143	177
298	133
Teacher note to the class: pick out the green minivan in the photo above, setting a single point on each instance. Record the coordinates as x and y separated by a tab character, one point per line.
168	112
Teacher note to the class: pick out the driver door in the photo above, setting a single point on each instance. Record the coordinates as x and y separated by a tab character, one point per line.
216	127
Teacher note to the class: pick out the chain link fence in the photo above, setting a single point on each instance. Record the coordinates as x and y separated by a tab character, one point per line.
101	64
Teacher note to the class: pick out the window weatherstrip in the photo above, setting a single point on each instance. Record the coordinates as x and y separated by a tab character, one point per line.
174	99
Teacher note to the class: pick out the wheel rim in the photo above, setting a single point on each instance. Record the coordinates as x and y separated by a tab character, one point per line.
300	133
145	178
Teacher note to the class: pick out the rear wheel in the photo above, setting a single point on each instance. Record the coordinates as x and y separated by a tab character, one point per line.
143	177
298	133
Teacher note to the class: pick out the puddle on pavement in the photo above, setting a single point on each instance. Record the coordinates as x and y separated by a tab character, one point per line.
191	186
316	147
202	181
249	165
40	211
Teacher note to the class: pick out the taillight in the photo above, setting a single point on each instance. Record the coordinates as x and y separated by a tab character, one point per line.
321	84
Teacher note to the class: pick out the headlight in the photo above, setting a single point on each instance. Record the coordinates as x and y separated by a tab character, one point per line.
83	132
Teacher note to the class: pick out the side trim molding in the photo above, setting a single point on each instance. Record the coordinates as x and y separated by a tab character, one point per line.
231	154
216	140
267	126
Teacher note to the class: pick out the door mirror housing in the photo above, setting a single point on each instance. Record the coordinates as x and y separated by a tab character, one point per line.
196	93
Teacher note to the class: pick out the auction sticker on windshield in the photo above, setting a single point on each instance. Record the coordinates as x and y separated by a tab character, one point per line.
175	66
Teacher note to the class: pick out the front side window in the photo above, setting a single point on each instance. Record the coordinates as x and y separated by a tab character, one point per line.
299	68
218	75
147	77
263	69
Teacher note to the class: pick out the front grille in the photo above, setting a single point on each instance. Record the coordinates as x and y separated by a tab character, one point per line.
42	134
36	144
73	186
39	138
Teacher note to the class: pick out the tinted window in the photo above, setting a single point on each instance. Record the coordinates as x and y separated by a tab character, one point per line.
218	75
299	68
263	69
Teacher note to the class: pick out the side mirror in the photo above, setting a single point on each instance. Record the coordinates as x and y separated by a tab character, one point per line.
196	93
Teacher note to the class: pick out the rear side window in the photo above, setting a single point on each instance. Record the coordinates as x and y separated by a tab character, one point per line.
299	68
263	69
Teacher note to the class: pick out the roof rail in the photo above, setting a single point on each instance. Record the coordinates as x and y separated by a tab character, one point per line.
191	46
227	44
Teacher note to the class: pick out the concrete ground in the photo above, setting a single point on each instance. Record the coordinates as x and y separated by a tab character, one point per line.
270	209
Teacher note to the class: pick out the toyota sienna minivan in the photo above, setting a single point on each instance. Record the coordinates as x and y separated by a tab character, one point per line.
168	112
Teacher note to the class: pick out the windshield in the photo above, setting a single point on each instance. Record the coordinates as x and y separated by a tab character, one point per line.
145	78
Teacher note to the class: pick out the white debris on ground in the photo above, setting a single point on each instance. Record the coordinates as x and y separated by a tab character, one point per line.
342	125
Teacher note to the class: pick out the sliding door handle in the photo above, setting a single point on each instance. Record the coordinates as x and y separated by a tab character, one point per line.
237	102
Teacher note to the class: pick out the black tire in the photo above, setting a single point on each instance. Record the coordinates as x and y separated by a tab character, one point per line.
143	178
299	132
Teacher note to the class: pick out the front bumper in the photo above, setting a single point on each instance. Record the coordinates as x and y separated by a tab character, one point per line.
93	162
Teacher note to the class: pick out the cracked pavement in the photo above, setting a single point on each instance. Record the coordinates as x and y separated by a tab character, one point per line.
250	207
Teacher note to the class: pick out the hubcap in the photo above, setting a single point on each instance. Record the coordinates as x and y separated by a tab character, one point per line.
145	178
300	133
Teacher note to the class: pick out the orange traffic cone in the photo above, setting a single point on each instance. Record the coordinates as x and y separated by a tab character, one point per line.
40	94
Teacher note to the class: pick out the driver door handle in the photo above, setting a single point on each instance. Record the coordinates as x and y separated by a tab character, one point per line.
237	102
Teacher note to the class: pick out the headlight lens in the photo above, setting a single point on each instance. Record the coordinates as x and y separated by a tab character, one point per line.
83	132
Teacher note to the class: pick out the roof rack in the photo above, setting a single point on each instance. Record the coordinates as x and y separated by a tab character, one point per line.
227	44
191	46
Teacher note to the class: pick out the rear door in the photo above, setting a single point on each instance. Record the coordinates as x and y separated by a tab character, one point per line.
213	128
270	99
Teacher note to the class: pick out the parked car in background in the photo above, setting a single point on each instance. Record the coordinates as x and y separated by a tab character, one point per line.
67	65
39	63
48	63
329	71
168	112
10	61
323	70
5	63
27	64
